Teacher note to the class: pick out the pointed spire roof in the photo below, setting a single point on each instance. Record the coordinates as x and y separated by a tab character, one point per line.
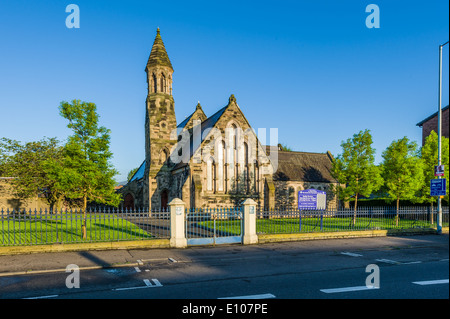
158	55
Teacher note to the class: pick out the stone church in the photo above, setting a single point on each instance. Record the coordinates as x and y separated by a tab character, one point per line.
215	161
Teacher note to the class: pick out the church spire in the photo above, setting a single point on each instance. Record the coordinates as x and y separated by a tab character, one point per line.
159	69
158	55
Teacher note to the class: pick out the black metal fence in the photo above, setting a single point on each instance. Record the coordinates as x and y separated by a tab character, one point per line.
27	227
33	227
365	218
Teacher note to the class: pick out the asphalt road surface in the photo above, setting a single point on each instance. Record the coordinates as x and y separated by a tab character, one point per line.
366	268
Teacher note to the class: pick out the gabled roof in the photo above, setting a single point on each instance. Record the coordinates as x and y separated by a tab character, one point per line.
303	166
430	117
158	55
197	114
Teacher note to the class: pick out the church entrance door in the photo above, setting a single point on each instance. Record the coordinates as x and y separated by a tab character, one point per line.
128	201
164	199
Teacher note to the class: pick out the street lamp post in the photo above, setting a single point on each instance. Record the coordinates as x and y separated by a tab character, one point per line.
439	219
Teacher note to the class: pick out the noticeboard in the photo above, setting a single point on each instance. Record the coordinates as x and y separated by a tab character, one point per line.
312	199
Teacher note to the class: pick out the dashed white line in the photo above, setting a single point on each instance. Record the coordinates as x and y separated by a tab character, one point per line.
43	297
261	296
388	261
350	254
137	269
347	289
431	282
147	282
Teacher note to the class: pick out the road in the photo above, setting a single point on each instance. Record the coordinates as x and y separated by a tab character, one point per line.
415	267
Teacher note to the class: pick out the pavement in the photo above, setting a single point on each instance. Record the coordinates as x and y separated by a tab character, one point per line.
98	259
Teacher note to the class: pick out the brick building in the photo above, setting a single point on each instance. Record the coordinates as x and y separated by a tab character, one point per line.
431	124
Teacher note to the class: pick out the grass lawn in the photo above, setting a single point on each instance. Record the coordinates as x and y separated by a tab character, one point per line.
314	224
66	228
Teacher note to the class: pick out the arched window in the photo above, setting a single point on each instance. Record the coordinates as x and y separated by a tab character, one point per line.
232	155
246	169
164	156
256	177
163	83
210	174
155	83
220	166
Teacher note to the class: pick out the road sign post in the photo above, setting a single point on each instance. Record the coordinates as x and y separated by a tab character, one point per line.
438	188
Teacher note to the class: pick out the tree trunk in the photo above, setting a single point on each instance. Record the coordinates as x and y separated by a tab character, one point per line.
396	217
354	210
83	228
432	217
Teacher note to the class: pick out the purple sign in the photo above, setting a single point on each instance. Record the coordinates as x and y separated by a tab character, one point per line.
311	199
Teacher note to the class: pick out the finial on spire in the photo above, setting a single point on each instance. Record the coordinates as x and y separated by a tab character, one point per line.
198	105
157	30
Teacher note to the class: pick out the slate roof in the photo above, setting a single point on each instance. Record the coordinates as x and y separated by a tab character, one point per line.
139	173
303	166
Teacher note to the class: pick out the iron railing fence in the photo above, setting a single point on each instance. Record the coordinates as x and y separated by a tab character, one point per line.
32	227
36	227
365	218
213	222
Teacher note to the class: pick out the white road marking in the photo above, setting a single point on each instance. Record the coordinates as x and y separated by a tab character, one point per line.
347	289
137	269
431	282
262	296
351	254
140	263
388	261
42	297
173	260
147	282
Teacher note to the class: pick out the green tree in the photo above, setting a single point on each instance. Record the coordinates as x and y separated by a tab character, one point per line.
34	167
88	173
355	169
429	155
402	171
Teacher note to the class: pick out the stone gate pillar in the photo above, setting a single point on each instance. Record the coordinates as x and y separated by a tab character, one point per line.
249	236
177	224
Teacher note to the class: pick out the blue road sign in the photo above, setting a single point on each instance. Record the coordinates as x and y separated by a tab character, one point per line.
438	187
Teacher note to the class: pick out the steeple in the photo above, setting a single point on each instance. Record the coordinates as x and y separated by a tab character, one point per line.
158	55
160	122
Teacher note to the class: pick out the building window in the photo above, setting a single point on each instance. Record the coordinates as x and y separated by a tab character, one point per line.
246	170
220	166
163	83
155	83
210	175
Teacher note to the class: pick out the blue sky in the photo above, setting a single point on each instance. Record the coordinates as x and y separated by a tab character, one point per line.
312	69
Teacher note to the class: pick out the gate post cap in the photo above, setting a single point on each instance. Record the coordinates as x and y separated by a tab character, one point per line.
176	201
249	201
